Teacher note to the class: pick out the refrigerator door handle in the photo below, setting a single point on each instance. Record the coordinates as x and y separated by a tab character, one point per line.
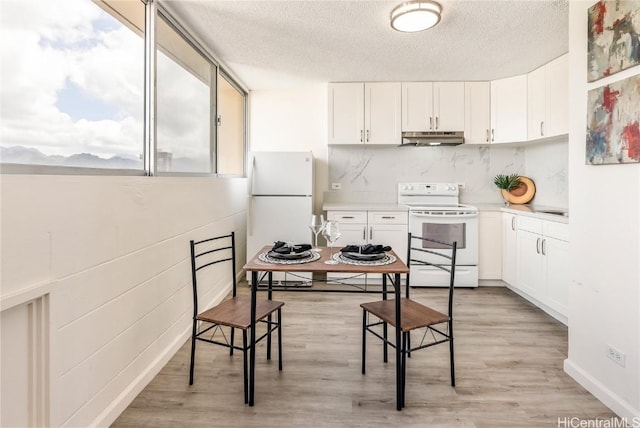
249	222
252	166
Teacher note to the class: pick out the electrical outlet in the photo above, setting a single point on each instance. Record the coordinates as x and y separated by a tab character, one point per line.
336	186
616	356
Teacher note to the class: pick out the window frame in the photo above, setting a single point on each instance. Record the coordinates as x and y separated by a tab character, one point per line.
181	31
245	111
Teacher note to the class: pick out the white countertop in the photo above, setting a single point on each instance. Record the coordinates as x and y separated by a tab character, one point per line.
525	210
363	206
538	212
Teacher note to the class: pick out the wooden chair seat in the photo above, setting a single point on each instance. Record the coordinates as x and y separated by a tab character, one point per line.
236	312
413	314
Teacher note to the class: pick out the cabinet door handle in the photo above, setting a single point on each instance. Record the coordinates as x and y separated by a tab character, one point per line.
367	135
364	233
493	135
430	122
437	124
388	217
361	136
347	217
543	250
513	223
370	233
487	136
538	245
542	128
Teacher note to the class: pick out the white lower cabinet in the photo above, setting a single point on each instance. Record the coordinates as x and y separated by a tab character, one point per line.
542	264
371	227
510	248
556	254
530	267
490	245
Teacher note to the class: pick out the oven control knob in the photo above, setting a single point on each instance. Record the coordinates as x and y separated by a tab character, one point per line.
409	187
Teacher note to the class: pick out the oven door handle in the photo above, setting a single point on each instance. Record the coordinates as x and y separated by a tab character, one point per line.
413	214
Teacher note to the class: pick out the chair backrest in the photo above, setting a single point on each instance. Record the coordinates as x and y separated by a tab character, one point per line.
444	258
210	252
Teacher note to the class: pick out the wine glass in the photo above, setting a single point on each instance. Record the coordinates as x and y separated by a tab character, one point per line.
316	225
331	232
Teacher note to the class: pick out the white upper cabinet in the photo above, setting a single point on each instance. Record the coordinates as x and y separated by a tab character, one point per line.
548	100
382	107
346	113
433	106
448	106
527	107
536	109
477	119
509	109
557	100
417	106
364	113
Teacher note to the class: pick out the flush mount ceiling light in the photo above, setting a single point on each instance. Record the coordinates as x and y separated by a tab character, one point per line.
415	15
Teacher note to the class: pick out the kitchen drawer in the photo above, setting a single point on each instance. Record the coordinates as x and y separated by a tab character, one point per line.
348	216
388	217
554	229
530	224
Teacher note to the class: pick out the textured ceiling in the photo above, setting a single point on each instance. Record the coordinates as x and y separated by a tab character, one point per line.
274	44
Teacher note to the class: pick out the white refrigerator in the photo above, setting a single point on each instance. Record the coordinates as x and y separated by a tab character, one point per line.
280	203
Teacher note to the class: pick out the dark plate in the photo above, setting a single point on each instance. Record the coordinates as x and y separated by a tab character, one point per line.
290	256
364	257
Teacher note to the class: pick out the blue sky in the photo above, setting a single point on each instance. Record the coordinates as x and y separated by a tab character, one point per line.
78	104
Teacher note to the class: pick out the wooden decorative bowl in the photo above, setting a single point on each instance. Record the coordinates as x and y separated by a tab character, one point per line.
521	194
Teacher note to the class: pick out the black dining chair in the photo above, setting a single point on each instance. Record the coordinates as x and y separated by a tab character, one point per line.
233	313
437	326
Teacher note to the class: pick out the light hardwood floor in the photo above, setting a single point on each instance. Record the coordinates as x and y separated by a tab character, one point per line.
509	358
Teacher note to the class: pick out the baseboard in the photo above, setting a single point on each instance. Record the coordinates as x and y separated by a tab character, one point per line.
122	401
550	311
491	283
602	393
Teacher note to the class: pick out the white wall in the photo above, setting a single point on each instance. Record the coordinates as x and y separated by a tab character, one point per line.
292	119
605	250
112	255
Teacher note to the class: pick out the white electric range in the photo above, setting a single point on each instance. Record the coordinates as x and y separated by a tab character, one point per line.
435	212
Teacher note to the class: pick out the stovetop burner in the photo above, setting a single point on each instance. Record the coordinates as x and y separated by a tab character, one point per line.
440	207
432	197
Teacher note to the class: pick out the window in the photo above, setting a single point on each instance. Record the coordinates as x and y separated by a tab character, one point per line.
183	100
72	93
72	83
231	109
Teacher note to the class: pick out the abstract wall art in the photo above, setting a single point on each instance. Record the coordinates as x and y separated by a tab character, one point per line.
613	117
613	37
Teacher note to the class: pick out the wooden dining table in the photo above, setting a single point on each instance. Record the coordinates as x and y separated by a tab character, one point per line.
391	271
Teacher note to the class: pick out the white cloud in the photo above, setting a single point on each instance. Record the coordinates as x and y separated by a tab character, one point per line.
45	43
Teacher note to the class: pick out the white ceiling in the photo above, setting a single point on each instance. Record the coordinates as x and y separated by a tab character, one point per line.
274	44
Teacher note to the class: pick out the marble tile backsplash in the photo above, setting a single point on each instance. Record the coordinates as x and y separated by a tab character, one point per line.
378	169
547	164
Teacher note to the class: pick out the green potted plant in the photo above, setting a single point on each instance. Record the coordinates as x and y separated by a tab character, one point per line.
506	183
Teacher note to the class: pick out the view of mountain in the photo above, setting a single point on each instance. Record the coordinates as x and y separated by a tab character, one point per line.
30	156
